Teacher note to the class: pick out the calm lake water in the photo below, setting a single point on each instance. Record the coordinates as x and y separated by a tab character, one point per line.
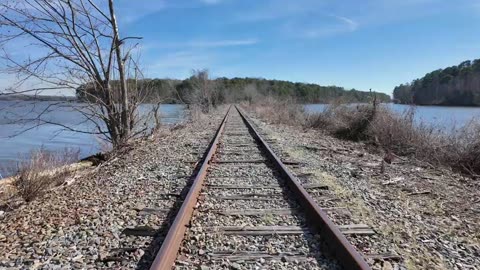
55	138
52	137
445	118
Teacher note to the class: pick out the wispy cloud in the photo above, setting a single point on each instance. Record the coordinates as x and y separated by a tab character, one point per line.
211	2
476	5
131	11
351	24
319	26
221	43
203	44
277	9
180	64
381	12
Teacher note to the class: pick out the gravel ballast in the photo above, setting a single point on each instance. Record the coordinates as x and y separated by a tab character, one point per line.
262	236
424	217
89	223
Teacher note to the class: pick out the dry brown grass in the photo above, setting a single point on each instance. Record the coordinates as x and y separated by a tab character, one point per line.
42	170
343	121
390	131
279	112
401	135
462	149
195	112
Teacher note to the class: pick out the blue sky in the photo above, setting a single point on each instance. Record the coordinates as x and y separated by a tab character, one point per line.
356	44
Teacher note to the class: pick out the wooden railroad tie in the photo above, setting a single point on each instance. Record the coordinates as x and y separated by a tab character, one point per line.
254	161
351	229
261	212
235	256
276	187
140	231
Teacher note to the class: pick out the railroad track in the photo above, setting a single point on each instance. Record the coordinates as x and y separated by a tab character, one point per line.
245	210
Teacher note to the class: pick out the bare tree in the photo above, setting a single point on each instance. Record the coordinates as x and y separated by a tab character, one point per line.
251	93
156	99
75	45
203	90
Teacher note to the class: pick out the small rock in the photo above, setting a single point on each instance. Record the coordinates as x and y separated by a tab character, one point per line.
235	266
139	207
103	255
78	258
140	253
387	266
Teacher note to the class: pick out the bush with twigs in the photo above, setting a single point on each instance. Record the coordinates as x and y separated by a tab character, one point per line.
279	112
401	135
41	171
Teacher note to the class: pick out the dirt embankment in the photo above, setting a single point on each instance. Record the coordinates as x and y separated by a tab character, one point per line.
428	216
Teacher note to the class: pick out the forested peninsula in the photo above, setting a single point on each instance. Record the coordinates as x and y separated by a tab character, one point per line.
453	86
227	90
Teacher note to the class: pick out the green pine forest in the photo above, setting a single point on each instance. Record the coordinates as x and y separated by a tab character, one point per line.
247	89
453	86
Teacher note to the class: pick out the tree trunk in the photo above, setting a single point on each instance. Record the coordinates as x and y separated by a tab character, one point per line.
123	81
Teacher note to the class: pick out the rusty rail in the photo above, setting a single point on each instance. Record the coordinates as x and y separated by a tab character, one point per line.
167	254
342	250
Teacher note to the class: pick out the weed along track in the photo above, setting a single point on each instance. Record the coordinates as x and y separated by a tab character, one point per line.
245	210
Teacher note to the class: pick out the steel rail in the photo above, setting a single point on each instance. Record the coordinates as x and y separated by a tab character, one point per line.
343	251
168	252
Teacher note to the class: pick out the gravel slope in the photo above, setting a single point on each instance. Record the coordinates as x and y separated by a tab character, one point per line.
208	246
83	225
427	216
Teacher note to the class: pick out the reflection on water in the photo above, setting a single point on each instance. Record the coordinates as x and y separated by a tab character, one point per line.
19	136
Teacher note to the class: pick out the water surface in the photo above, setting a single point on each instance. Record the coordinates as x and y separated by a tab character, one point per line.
446	118
19	136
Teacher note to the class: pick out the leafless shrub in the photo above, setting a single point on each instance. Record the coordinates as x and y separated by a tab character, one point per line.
322	120
279	112
41	171
344	121
462	149
401	135
203	91
195	112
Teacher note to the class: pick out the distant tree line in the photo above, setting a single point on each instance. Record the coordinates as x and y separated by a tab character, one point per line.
453	86
200	89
